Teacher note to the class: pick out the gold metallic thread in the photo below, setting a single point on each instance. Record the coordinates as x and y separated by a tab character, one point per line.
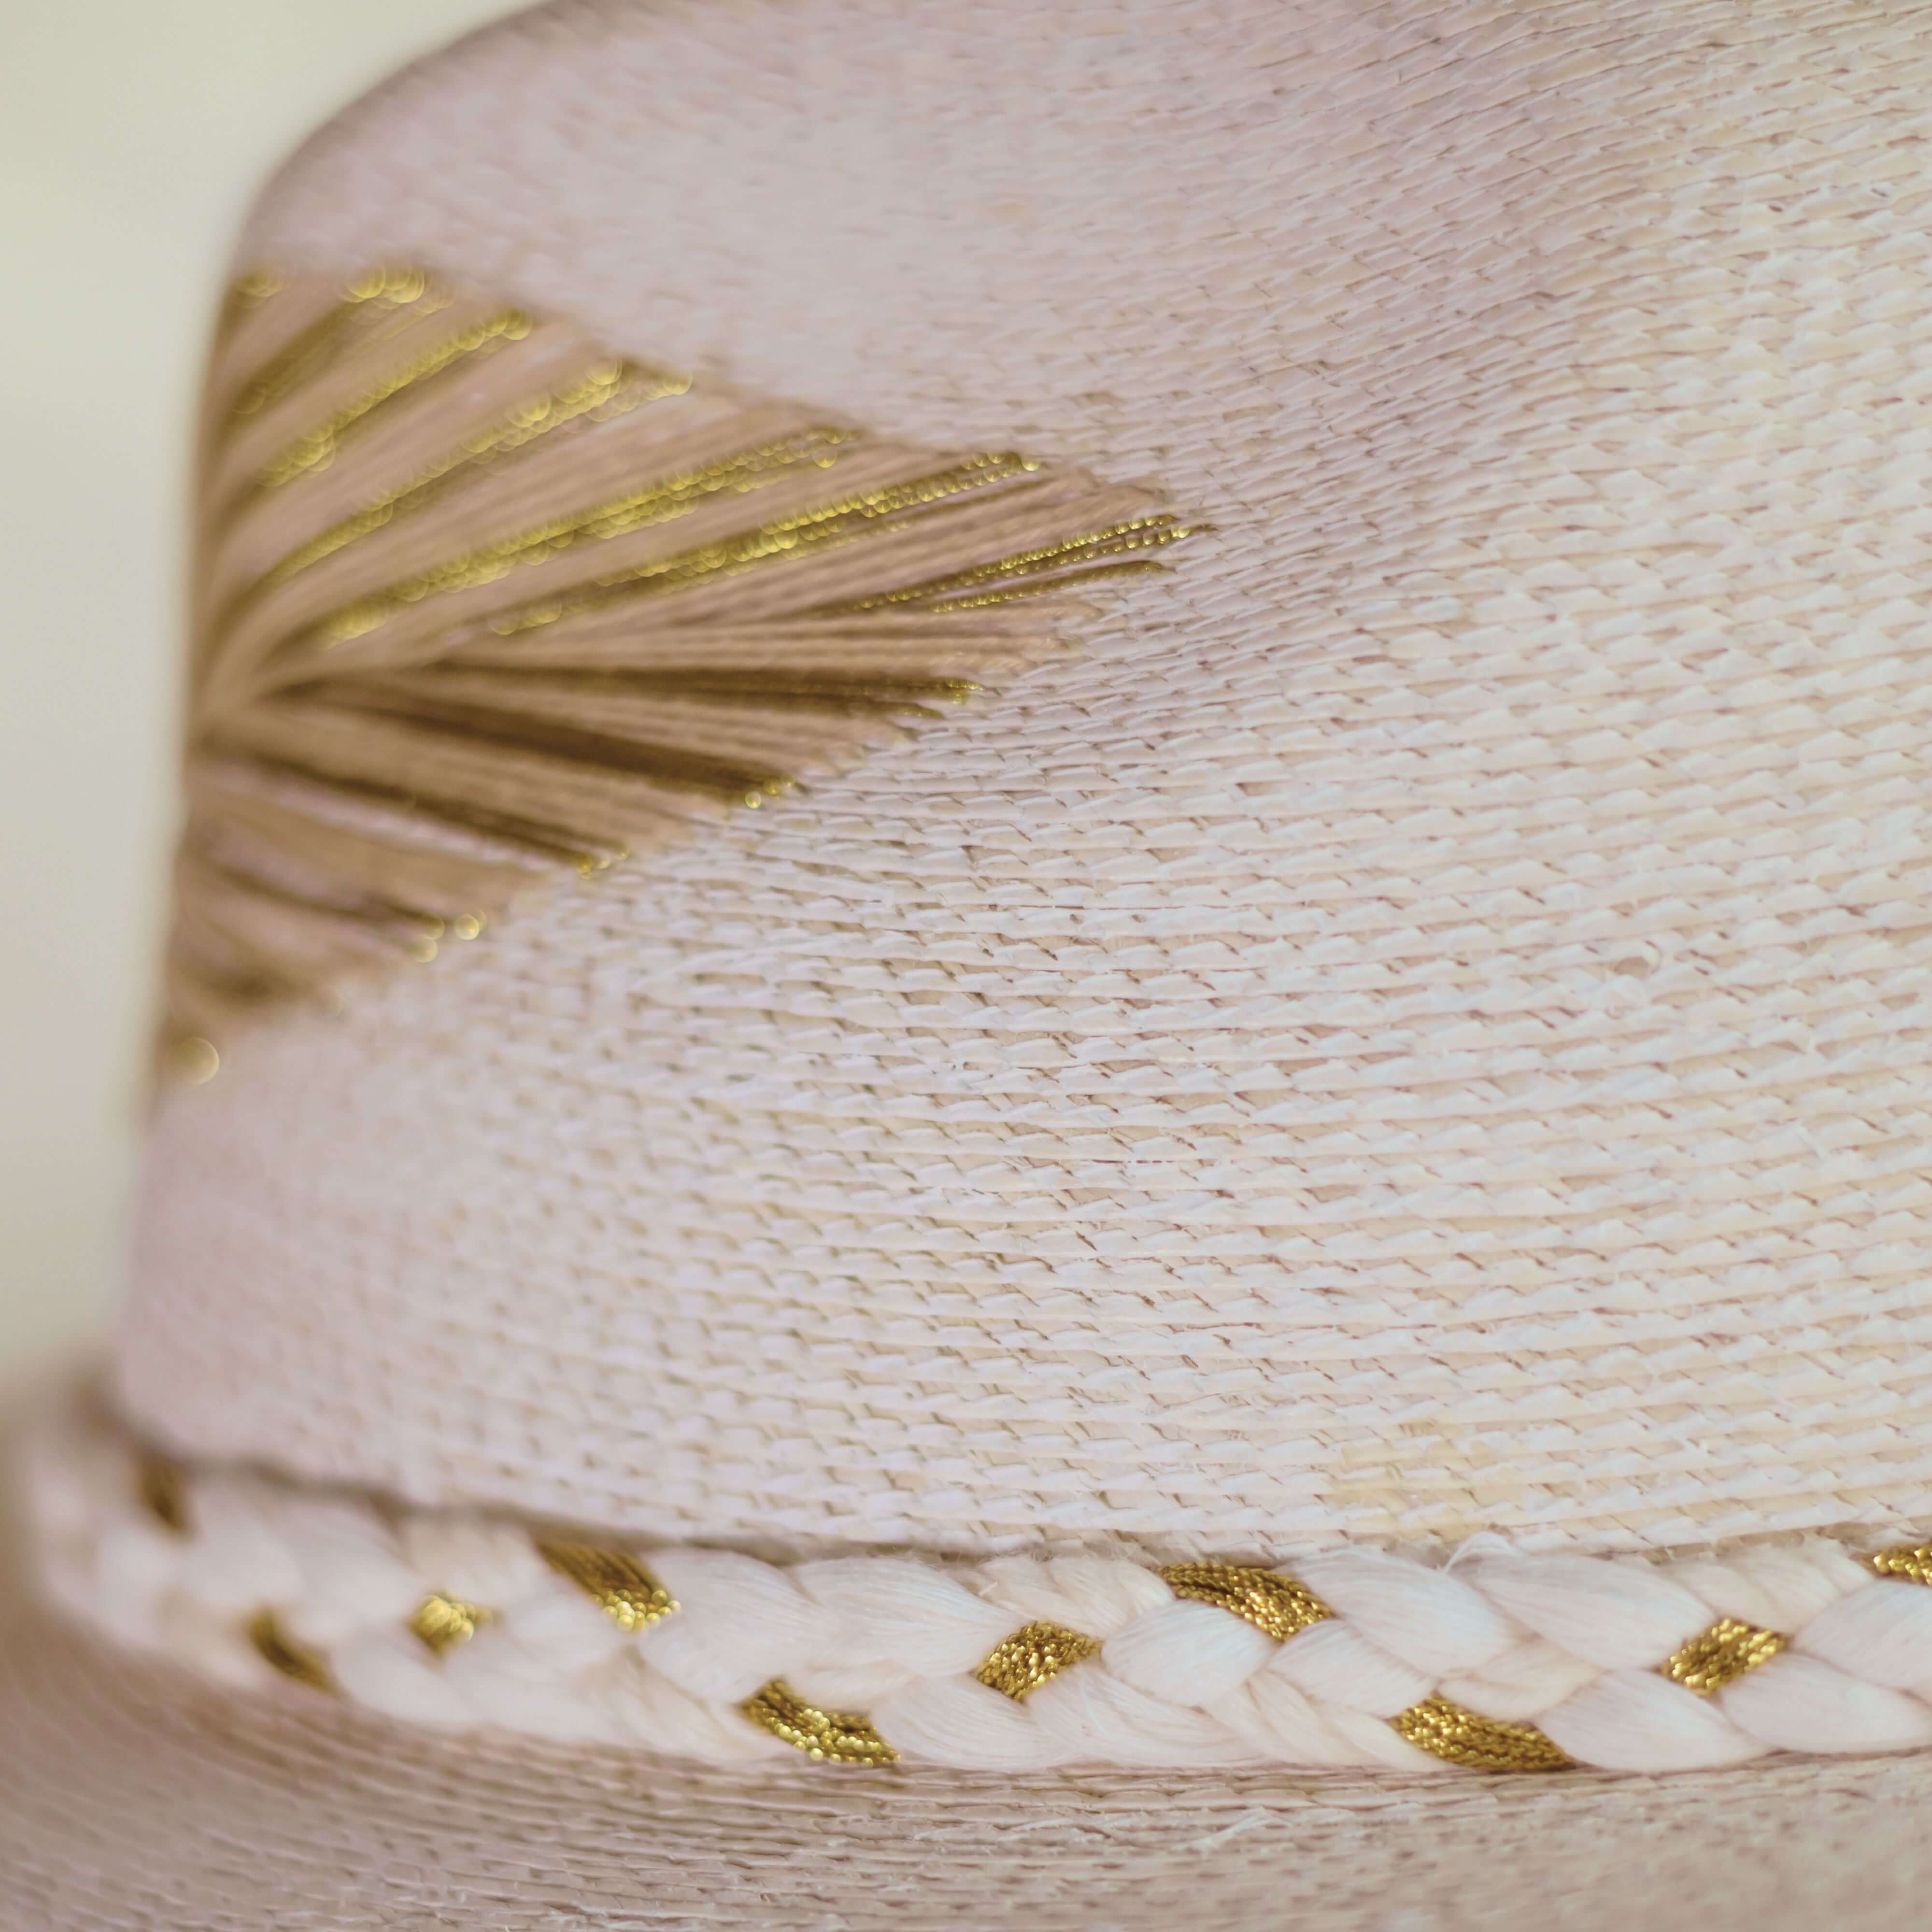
414	930
1910	1563
193	1060
628	1592
315	449
803	533
1274	1604
608	391
444	1622
762	690
583	852
293	1660
834	1737
371	296
1138	533
161	1490
1073	580
1458	1736
1033	1656
246	294
1720	1655
525	731
636	510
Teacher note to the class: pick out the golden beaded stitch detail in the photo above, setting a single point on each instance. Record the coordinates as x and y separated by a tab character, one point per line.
162	1490
1909	1563
1720	1655
835	1737
1275	1605
282	1652
1448	1730
1033	1656
626	1590
444	1622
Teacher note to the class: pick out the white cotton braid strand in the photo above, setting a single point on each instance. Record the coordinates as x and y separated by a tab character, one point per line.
1493	1660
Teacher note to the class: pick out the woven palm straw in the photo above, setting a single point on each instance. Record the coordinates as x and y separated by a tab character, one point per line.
1410	1020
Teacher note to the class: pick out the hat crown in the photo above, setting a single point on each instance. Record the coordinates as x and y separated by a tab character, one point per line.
1419	1025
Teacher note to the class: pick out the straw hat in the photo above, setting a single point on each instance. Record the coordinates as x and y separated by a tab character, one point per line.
1049	1037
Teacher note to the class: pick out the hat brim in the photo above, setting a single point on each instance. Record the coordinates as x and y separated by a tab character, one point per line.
132	1794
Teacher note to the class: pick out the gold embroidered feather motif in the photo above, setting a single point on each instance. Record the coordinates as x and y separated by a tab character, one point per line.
477	602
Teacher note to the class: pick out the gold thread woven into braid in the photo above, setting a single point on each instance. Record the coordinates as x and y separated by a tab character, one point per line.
1030	1657
161	1489
1275	1605
835	1737
1720	1655
1458	1736
626	1590
294	1660
1910	1563
1033	1656
443	1621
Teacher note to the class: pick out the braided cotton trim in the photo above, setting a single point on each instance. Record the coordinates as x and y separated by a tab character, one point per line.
1494	1660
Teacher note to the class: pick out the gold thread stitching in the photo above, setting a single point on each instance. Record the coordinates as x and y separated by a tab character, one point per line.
315	448
443	1621
1274	1604
1458	1736
1047	586
415	931
478	724
833	1737
193	1059
626	1590
608	391
161	1487
370	297
803	533
1910	1563
1032	1656
1137	533
248	293
583	852
636	510
1720	1655
530	767
776	690
294	1660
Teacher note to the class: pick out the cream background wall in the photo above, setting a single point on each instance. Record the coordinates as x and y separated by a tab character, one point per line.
134	132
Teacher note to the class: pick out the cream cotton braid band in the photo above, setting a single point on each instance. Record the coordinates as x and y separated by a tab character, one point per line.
1494	1660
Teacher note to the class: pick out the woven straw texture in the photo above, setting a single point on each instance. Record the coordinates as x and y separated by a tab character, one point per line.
134	1799
1421	1026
